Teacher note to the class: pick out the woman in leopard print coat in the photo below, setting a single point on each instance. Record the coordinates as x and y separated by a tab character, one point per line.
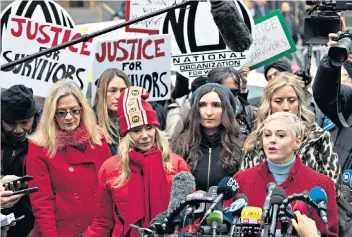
283	93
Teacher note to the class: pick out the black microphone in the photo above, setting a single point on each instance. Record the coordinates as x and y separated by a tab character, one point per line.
183	184
266	206
277	197
142	231
191	208
231	25
226	190
156	223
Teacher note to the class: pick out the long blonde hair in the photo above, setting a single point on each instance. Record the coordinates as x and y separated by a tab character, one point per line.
282	79
101	104
126	145
45	135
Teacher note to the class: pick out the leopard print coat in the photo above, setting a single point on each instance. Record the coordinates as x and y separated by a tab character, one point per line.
315	152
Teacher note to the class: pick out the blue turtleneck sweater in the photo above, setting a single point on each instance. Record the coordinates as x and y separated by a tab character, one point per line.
280	171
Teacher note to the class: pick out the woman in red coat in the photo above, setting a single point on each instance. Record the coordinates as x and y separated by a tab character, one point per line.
135	185
64	157
282	136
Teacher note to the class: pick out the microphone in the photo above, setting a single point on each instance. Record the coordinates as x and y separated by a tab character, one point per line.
227	189
241	201
231	25
215	220
142	231
318	195
277	196
251	221
195	208
266	206
183	184
347	178
156	223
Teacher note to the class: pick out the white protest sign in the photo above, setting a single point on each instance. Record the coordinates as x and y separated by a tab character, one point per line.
146	61
272	40
197	46
24	36
137	8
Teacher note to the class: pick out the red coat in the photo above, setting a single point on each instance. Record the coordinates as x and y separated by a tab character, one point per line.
106	222
67	183
253	183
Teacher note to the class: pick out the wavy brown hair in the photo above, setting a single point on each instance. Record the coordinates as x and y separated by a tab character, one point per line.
187	144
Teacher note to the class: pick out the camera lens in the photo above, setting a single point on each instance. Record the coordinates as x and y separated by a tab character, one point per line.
339	52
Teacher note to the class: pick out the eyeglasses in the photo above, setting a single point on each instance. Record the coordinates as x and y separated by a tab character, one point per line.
63	113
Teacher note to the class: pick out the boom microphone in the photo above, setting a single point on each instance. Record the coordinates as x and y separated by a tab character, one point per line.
227	189
318	195
231	25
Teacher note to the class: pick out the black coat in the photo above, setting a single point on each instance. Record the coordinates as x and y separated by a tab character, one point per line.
208	171
13	163
325	91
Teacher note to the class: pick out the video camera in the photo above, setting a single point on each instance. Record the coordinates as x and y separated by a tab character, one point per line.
323	19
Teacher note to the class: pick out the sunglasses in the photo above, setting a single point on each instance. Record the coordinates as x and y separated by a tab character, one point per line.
63	113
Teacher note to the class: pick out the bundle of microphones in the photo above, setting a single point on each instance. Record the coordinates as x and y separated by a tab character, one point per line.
199	213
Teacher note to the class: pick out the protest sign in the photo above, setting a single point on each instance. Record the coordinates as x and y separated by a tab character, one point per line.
45	11
272	40
137	8
146	61
25	36
197	45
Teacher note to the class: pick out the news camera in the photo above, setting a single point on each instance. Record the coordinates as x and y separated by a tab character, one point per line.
323	19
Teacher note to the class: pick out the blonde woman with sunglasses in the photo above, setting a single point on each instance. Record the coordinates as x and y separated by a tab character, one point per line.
64	157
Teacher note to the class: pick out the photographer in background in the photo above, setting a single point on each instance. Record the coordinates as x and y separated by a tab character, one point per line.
334	98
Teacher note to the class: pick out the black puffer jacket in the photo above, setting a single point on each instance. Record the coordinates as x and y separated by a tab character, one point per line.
13	163
208	171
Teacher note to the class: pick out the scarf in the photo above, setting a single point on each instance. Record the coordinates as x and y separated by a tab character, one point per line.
148	192
77	137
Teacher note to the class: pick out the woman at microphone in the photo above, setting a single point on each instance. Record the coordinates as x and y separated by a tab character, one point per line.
282	135
135	184
283	93
210	139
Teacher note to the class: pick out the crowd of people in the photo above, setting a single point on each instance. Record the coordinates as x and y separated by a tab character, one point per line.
101	168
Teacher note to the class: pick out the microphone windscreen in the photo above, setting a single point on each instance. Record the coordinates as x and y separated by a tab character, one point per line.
229	187
317	194
183	184
231	25
215	216
277	196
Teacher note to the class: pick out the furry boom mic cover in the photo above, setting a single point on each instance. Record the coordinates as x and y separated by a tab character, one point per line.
231	25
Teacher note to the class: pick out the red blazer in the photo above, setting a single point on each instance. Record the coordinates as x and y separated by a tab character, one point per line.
252	182
67	188
106	222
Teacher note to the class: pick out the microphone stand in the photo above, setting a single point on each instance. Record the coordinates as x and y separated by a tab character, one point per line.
86	37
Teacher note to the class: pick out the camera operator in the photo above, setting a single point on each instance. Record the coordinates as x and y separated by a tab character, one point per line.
325	91
333	98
